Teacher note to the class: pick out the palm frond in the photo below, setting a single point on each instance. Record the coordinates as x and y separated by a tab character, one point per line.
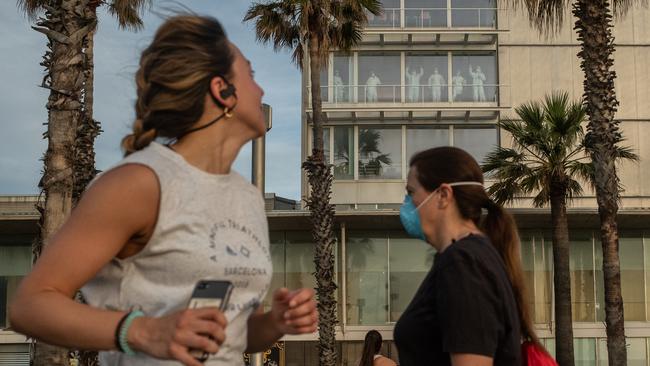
503	192
501	162
573	189
32	8
278	23
543	197
533	181
621	7
128	12
582	170
626	153
545	15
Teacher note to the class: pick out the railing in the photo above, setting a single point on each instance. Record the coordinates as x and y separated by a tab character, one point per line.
435	18
474	17
389	18
425	17
432	93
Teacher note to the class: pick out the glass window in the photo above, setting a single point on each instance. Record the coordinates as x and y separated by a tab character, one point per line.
15	262
537	262
380	153
425	13
343	78
426	78
277	258
324	84
549	344
581	266
343	146
543	280
367	278
326	144
602	352
632	277
379	78
425	137
390	18
474	78
646	256
584	351
476	140
299	259
410	261
636	352
473	13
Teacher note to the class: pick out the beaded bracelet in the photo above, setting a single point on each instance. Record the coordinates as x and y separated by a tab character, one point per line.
122	330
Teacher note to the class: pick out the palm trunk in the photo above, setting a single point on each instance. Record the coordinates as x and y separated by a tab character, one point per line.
561	278
84	162
594	26
66	28
322	217
88	129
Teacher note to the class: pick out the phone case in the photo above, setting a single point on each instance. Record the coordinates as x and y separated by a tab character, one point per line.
209	293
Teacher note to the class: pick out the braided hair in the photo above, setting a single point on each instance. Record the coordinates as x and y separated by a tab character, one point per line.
174	77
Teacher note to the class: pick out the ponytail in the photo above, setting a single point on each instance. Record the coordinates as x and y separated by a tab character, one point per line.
371	346
500	227
139	139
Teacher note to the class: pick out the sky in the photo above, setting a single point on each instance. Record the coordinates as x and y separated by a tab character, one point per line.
117	51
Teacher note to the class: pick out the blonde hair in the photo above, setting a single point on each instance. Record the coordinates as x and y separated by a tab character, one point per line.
174	77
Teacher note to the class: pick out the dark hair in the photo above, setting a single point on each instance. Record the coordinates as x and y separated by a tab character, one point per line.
371	347
450	164
187	52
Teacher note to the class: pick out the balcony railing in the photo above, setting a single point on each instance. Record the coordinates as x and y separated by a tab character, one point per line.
390	18
435	18
442	93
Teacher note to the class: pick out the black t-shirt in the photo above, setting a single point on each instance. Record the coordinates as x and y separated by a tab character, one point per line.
464	305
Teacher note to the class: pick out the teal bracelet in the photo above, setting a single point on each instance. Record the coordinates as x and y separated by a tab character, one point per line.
124	330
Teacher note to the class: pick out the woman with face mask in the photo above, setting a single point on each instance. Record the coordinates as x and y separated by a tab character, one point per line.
470	308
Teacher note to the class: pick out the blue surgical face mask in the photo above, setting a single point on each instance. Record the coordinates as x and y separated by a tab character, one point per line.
408	212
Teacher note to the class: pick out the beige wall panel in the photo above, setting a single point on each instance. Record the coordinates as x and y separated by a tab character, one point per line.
519	25
504	74
624	29
522	32
519	70
642	84
563	59
577	74
640	15
368	192
629	172
643	149
625	83
542	68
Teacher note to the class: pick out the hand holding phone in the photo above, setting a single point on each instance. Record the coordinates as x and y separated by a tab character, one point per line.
209	293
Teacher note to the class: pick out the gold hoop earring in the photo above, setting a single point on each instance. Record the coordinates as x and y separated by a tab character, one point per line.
227	112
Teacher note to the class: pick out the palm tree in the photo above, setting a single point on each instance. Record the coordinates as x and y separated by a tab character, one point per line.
593	23
127	13
548	158
71	130
313	28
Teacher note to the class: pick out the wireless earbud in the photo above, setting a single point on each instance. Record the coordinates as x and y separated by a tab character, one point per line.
229	91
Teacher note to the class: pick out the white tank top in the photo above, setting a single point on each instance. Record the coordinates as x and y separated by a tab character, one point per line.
209	227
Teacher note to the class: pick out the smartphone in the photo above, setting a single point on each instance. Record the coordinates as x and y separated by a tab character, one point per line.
209	293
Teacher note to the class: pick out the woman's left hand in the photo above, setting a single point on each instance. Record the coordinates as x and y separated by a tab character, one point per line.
294	312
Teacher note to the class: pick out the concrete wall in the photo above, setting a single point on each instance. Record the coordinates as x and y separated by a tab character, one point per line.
534	64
